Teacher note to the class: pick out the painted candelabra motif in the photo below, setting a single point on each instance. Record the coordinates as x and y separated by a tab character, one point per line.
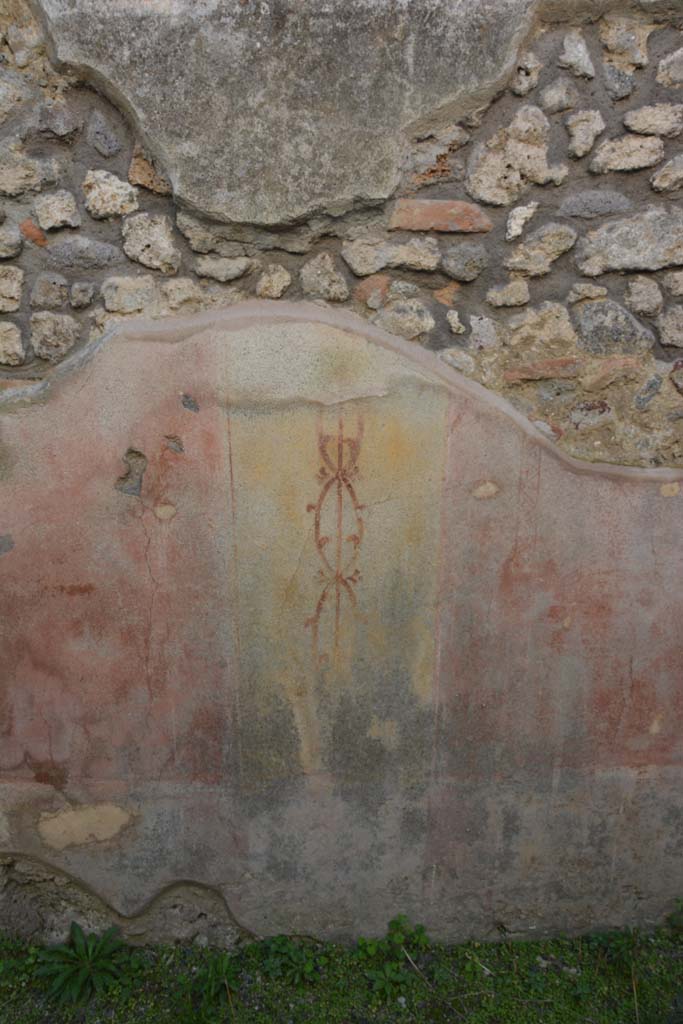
338	533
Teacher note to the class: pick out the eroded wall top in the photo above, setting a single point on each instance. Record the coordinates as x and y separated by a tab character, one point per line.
265	112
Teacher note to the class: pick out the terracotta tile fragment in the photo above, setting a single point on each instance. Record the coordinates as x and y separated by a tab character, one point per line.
446	296
32	232
438	215
373	290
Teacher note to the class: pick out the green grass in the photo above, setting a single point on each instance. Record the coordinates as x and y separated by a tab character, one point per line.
611	979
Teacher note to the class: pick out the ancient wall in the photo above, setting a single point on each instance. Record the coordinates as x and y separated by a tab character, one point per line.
533	242
464	223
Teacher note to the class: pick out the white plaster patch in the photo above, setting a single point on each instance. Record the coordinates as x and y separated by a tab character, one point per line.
486	489
670	490
165	512
79	826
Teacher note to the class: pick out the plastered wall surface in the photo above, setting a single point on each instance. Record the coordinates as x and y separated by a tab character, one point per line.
340	462
295	637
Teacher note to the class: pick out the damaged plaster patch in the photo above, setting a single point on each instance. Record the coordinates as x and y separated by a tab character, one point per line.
6	543
78	826
165	512
39	903
131	481
670	490
486	489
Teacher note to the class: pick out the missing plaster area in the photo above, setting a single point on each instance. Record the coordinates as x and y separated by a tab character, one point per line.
131	481
6	543
38	903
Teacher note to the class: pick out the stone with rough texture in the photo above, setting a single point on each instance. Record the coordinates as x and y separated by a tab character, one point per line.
619	84
222	268
108	196
458	359
128	294
101	135
651	239
82	253
15	93
515	293
57	210
148	239
438	215
604	327
367	256
625	40
324	129
610	370
53	335
273	282
591	203
592	415
57	118
575	56
230	239
643	296
406	317
627	153
50	291
20	173
465	261
454	322
669	177
665	119
541	249
11	346
518	220
670	71
321	279
542	330
584	128
391	576
403	290
182	293
430	156
527	73
673	282
670	326
11	240
11	283
485	333
25	41
560	95
500	171
581	292
142	171
81	294
676	376
650	389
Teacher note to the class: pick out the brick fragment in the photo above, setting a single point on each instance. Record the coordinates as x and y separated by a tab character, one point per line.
373	290
32	232
544	369
438	215
446	296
